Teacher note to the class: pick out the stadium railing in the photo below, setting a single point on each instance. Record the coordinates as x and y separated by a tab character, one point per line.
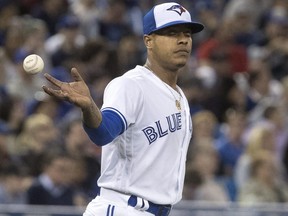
184	208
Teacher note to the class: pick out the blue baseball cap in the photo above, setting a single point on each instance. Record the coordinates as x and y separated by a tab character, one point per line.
168	14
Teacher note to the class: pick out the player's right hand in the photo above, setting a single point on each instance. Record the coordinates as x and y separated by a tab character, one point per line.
76	92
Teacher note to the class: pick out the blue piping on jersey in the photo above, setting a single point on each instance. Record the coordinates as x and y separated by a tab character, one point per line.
113	124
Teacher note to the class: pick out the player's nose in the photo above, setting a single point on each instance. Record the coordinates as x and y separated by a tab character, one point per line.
184	37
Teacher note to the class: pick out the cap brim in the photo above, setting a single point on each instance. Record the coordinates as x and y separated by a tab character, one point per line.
194	26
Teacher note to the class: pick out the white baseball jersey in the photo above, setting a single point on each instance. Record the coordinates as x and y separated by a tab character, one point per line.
148	159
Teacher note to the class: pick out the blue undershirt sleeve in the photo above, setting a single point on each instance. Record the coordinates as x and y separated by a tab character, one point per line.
111	126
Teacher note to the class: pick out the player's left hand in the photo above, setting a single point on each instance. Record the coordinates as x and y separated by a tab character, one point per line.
76	92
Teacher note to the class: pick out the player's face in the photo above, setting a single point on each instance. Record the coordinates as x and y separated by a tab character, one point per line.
172	46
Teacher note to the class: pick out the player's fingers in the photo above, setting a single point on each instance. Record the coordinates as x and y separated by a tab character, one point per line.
75	74
53	80
49	91
46	89
53	92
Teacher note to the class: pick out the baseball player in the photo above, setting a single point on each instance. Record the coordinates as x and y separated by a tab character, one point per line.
144	125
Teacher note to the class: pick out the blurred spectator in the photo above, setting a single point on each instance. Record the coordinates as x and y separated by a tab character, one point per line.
13	184
8	10
24	85
274	26
19	83
11	111
234	94
264	185
208	14
217	71
34	33
44	105
65	44
260	137
38	131
255	8
5	157
78	145
274	116
89	13
39	135
113	24
246	16
54	186
224	42
192	181
203	164
195	92
50	11
51	107
284	109
204	126
229	91
284	99
129	46
263	91
98	87
13	41
136	11
95	58
230	145
278	51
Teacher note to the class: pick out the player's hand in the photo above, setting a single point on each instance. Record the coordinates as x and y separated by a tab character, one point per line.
76	92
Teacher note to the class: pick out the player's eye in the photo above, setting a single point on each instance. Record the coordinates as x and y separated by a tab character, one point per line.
165	32
188	33
172	33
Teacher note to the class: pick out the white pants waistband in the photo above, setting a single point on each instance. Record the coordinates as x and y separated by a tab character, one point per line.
114	195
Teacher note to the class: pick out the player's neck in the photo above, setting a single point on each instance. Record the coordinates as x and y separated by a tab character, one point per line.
167	76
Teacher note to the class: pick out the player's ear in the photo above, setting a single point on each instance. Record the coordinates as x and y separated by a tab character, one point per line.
147	41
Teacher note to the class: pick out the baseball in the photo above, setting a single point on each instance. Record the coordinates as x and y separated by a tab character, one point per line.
33	64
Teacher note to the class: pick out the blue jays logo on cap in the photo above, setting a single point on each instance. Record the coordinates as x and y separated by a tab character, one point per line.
178	9
168	14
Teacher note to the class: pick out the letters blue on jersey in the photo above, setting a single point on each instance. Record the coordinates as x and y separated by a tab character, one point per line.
171	124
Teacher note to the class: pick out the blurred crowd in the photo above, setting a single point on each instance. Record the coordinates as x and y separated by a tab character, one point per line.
236	82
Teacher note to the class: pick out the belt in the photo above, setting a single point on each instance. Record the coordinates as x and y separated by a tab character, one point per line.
157	210
136	202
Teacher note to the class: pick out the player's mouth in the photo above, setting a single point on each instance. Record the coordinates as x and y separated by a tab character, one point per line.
182	51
